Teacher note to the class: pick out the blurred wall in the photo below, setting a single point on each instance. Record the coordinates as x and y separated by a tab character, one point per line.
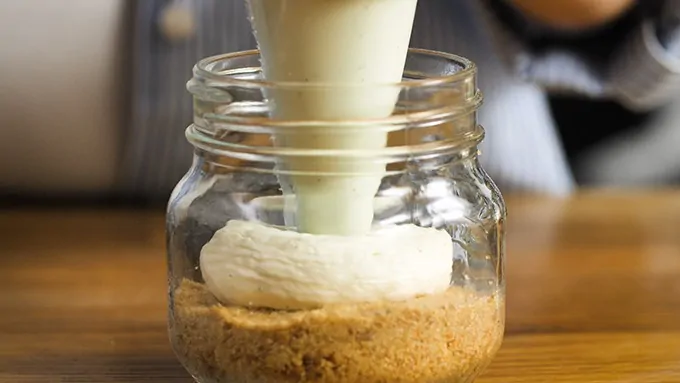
61	106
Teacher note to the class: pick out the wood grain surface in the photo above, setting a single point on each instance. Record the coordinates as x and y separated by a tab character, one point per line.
593	293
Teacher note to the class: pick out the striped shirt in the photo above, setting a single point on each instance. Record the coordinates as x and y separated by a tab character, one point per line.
522	150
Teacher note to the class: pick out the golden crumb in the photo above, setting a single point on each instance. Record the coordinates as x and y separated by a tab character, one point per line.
449	337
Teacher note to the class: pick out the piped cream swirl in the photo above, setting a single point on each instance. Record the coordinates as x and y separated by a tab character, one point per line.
250	264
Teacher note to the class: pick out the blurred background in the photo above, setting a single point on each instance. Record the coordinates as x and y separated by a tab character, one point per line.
579	94
93	107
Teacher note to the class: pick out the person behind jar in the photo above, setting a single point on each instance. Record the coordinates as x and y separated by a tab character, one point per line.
617	60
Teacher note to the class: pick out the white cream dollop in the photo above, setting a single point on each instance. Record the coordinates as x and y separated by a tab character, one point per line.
251	264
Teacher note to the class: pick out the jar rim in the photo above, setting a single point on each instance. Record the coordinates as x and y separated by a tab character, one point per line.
206	69
434	111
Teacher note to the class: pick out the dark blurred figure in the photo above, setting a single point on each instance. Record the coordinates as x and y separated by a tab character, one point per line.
576	90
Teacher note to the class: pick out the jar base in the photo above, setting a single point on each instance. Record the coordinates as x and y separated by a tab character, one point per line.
449	337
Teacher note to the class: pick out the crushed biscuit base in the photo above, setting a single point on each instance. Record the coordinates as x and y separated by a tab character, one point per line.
449	337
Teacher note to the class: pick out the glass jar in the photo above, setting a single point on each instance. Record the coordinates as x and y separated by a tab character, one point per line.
260	293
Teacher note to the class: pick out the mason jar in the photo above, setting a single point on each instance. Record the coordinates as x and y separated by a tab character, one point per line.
336	250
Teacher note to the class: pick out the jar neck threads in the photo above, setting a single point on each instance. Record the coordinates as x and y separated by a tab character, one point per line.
434	114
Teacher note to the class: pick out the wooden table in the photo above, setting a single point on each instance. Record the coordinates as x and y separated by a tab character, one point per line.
593	293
